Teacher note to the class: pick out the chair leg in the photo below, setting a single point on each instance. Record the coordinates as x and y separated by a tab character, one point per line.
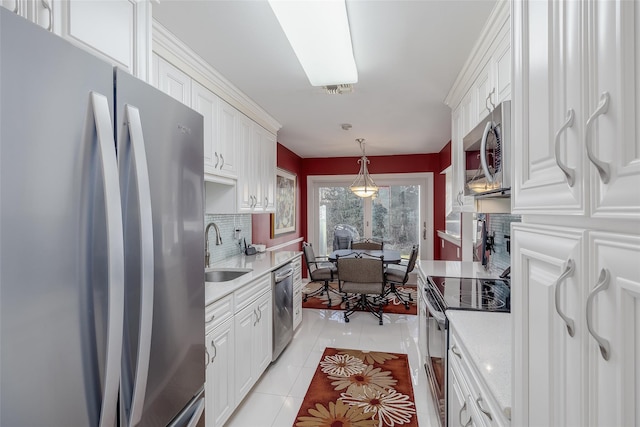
399	294
363	303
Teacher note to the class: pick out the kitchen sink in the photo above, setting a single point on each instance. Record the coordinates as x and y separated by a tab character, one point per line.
224	274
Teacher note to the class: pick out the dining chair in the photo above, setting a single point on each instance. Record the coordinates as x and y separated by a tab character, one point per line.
343	235
367	244
320	270
399	275
363	275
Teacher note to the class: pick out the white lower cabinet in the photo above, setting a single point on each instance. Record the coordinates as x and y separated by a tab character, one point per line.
469	402
238	347
253	329
219	385
297	292
577	326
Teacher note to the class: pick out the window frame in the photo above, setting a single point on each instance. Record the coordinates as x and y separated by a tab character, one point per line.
423	179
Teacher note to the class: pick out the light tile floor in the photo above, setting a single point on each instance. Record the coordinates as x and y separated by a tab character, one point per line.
275	400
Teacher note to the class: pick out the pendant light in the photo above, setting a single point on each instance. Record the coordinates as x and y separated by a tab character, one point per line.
363	186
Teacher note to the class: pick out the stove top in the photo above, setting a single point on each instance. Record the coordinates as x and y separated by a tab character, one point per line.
463	293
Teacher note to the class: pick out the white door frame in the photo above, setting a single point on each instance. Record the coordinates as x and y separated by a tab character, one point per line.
424	179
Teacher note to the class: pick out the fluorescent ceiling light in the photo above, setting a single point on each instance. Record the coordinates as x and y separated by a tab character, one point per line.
318	31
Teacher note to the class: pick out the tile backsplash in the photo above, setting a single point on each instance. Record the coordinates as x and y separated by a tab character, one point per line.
500	224
227	225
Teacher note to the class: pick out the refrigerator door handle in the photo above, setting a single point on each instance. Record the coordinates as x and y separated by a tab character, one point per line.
136	137
197	413
115	248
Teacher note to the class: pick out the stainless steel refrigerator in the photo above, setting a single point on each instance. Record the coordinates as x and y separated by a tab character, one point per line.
101	241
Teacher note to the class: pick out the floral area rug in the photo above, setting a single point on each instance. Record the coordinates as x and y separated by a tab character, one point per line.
322	301
353	388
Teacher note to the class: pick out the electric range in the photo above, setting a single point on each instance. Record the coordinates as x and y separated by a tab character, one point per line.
454	293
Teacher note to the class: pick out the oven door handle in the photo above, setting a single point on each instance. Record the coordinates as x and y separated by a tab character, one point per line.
438	314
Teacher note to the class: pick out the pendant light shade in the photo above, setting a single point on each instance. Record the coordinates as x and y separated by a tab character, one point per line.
363	186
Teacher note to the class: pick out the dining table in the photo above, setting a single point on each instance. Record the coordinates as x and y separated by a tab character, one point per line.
389	256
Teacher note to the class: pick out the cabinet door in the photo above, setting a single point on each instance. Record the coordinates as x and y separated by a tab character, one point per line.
268	160
501	63
205	102
549	375
244	323
227	139
117	30
262	344
219	384
483	87
547	91
174	82
614	308
613	131
256	162
246	170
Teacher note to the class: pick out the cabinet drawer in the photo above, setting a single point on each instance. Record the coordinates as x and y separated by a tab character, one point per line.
251	291
218	312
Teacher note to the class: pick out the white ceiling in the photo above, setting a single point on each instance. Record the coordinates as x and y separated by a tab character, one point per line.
408	55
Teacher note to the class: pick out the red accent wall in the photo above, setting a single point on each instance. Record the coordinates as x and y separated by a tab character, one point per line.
288	160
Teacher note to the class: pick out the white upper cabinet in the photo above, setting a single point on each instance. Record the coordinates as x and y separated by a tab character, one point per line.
575	112
225	146
206	102
173	81
612	132
483	82
119	31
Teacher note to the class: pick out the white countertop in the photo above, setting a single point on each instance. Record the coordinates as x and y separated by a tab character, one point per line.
487	338
454	269
260	263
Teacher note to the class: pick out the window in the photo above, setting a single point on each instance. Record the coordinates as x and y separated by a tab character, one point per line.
401	215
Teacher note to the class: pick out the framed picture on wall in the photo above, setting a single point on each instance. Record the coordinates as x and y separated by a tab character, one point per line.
284	219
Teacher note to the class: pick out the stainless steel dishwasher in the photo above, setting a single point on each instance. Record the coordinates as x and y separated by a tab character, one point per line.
282	293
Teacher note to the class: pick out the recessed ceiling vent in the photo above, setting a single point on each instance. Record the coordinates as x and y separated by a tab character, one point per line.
338	89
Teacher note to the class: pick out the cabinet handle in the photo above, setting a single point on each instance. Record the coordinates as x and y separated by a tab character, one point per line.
603	167
213	316
207	358
266	202
464	407
256	314
603	284
222	159
46	5
215	351
455	351
260	313
487	413
568	271
568	172
16	7
489	101
217	159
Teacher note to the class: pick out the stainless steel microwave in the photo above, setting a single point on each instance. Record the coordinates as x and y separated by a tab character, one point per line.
487	151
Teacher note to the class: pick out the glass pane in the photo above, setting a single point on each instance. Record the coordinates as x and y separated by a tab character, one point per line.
338	205
396	217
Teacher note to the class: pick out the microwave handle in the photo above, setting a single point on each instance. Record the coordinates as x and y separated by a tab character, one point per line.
483	151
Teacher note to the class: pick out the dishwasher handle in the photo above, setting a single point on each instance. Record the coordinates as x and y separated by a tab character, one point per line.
279	277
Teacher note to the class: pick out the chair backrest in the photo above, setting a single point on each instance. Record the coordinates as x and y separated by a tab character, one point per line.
367	244
361	268
309	256
412	258
343	235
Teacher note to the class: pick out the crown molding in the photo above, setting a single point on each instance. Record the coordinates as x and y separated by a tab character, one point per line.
174	50
497	23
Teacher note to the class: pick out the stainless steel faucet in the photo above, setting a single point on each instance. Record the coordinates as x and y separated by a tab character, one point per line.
207	255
